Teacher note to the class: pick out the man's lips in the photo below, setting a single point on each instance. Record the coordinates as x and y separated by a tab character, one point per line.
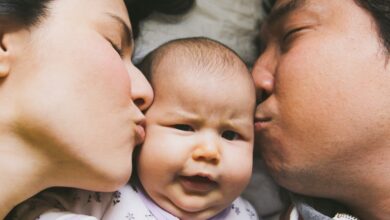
261	122
263	119
200	183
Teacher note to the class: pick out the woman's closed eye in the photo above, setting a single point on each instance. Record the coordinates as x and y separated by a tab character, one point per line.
183	127
230	135
116	47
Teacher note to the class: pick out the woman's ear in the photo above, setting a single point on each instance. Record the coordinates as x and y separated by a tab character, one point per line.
5	64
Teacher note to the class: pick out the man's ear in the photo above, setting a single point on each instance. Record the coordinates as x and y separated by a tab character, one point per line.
5	63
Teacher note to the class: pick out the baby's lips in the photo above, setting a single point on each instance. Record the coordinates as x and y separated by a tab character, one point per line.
198	183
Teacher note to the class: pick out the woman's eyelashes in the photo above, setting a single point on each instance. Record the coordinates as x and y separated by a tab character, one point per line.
116	47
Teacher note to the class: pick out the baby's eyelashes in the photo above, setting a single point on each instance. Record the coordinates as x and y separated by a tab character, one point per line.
183	127
230	135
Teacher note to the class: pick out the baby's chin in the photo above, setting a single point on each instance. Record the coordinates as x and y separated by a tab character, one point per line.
195	210
200	215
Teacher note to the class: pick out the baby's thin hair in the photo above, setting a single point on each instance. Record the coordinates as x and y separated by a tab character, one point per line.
205	54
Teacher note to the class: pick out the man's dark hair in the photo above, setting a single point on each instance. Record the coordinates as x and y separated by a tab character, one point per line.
28	12
379	10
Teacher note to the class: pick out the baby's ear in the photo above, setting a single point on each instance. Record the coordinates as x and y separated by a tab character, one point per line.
5	63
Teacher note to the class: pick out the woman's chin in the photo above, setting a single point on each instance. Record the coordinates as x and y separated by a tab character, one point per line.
110	180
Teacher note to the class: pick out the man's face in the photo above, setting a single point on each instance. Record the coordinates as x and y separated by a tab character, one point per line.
74	92
197	156
323	80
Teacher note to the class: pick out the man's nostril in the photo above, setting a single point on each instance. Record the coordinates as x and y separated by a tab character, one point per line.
262	96
139	102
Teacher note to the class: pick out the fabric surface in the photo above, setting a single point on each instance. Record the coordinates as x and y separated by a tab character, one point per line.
232	22
319	209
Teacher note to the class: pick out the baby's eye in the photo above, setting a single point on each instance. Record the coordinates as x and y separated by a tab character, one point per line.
183	127
230	135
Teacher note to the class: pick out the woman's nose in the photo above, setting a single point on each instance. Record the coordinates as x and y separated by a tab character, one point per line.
263	76
141	90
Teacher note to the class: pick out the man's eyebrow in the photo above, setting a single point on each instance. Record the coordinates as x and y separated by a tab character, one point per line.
127	33
283	10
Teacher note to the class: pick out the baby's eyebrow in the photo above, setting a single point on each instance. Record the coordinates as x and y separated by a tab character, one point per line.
240	123
126	32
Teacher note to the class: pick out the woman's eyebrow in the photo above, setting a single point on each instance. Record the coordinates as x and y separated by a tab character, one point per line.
126	32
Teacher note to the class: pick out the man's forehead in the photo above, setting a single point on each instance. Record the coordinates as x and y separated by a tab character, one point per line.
283	7
283	3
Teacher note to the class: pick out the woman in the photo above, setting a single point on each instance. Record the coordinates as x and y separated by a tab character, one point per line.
70	98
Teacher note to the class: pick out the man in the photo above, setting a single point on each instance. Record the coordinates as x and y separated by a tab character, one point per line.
323	114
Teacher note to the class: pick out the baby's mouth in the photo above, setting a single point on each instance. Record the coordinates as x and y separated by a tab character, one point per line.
197	183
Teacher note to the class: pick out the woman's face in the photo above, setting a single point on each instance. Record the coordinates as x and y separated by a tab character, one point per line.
77	94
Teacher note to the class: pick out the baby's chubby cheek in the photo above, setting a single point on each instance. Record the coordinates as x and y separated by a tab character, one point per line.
238	174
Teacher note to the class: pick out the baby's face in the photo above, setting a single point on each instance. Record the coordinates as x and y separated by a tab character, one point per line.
197	157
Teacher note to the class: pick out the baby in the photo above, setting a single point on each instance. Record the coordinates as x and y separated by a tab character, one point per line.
197	156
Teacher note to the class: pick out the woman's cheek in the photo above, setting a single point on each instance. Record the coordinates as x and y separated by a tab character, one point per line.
111	70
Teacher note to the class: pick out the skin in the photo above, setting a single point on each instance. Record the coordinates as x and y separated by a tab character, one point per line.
193	129
70	101
323	123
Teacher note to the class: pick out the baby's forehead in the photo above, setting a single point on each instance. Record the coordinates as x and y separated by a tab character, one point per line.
197	62
201	51
214	61
187	69
188	76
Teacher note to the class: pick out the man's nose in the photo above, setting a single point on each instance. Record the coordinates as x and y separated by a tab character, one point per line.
263	76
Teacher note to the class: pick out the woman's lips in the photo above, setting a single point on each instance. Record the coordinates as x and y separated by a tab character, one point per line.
197	183
140	134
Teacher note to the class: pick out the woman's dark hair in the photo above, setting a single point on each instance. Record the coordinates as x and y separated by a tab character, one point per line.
28	12
21	12
379	10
